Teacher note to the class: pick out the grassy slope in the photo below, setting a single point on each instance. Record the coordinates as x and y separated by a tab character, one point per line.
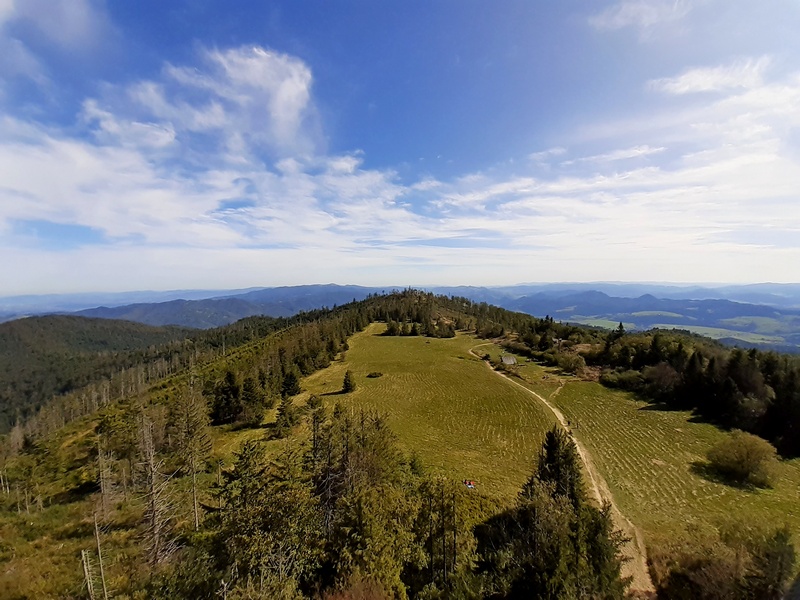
648	458
444	404
465	422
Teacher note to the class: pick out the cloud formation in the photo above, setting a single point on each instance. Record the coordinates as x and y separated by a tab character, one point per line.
741	74
641	14
217	171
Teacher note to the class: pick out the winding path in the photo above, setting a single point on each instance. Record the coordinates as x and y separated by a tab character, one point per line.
634	550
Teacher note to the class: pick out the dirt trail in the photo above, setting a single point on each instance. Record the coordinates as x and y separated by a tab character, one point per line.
636	566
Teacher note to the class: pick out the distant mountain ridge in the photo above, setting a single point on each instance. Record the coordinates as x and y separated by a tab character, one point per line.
770	320
222	310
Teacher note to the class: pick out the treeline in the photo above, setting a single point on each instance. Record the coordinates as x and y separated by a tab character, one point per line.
348	513
70	366
754	391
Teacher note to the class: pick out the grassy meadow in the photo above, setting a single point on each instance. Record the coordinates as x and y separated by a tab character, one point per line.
465	422
444	404
652	461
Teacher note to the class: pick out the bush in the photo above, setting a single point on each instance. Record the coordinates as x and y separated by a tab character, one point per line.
626	380
375	375
744	458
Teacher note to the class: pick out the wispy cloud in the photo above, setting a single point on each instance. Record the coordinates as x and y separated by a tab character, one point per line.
740	74
617	155
641	14
214	169
71	27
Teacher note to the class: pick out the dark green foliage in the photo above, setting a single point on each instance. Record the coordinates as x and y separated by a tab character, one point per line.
271	527
755	391
45	356
552	544
288	416
772	566
349	383
254	402
227	405
290	385
559	465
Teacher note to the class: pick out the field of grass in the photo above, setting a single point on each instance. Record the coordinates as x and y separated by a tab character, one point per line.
460	418
467	423
720	333
764	325
649	459
599	322
657	313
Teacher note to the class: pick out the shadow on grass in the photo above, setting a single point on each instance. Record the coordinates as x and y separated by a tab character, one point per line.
336	393
76	493
662	407
704	469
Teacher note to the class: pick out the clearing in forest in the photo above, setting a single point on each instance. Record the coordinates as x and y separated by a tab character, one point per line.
462	420
652	461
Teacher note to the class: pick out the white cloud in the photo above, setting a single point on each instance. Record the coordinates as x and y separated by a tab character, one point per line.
74	27
642	14
70	24
617	155
264	95
741	74
180	176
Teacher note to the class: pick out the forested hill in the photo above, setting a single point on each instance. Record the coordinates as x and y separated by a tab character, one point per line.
755	391
172	464
45	356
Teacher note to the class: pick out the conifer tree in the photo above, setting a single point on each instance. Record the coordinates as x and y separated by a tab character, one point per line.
349	383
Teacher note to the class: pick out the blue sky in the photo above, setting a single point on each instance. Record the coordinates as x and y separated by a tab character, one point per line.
207	144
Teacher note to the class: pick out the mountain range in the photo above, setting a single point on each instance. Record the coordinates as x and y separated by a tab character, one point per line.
760	315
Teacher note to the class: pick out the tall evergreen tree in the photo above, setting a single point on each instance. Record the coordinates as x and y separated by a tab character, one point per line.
559	464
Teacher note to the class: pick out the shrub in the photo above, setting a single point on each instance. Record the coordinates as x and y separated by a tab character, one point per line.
375	375
744	458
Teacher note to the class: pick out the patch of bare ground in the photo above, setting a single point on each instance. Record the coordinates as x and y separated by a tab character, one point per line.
634	550
590	374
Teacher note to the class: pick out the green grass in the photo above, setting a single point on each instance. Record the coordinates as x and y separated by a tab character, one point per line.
463	421
658	313
764	325
647	456
599	322
466	422
719	333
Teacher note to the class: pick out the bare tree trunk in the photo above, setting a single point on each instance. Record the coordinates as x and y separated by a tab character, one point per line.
194	497
87	573
156	502
100	558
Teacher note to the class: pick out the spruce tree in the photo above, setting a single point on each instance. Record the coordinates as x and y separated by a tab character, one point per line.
349	383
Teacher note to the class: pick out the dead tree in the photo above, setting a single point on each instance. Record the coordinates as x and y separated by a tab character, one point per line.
190	416
157	515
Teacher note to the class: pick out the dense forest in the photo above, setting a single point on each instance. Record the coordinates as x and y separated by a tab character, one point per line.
338	511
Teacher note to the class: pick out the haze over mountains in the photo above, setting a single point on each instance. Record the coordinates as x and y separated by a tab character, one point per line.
764	315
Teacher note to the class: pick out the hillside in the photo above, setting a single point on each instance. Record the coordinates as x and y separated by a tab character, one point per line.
260	436
752	325
744	317
45	356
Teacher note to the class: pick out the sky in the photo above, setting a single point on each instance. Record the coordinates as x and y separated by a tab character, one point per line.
216	145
